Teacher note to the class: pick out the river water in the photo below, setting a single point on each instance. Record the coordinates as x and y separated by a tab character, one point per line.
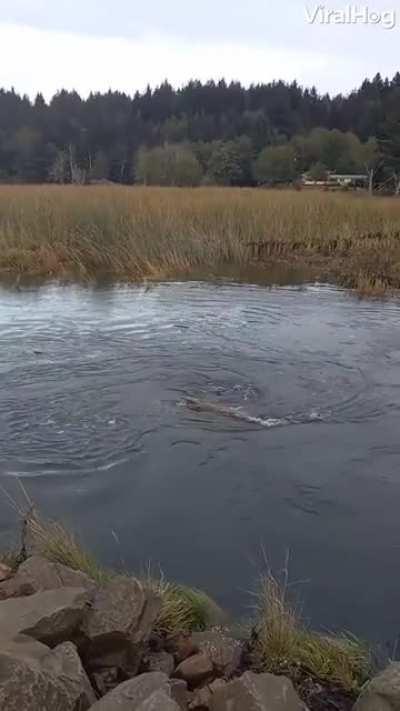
303	458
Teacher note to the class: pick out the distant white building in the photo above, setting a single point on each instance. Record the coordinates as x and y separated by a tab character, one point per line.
348	180
338	180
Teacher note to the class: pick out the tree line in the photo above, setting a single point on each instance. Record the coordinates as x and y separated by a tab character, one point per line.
203	133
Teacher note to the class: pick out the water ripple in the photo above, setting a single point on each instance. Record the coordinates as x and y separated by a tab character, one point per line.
89	376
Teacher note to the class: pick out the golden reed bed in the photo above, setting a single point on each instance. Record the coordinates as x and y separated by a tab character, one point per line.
132	233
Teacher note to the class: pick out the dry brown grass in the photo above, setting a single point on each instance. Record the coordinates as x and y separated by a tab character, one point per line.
285	646
130	233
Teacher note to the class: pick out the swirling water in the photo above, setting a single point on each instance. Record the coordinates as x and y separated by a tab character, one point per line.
94	417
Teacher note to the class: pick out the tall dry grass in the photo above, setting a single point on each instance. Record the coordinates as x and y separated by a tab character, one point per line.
284	645
138	232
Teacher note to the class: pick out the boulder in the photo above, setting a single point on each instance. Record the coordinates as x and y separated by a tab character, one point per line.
149	616
50	617
36	678
179	693
65	665
5	572
23	647
118	626
224	652
201	698
216	685
181	646
195	670
159	701
383	692
257	692
38	574
131	694
159	662
122	612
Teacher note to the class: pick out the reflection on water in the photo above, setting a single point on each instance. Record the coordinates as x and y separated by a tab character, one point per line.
293	443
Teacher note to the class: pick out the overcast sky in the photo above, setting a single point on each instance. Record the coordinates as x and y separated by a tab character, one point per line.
94	45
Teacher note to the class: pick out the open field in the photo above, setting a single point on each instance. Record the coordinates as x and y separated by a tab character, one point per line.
127	233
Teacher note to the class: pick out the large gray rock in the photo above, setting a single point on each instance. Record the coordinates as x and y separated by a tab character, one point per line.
65	665
257	692
51	617
118	626
159	662
38	574
159	701
35	678
202	697
383	692
179	693
151	610
122	611
181	646
131	694
224	652
195	670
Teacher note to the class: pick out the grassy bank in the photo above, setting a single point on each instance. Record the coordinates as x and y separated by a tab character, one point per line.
284	645
275	639
183	609
133	233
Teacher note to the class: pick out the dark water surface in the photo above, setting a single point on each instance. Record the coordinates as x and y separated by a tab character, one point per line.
92	417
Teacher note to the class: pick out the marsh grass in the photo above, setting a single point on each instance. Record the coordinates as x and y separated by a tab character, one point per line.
184	609
132	233
283	645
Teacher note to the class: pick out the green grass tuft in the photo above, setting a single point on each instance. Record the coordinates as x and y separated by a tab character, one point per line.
283	645
183	609
51	540
204	611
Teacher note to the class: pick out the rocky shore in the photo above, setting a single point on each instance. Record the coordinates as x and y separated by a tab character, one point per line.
70	643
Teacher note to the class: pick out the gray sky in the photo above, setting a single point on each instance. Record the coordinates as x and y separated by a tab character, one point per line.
125	44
